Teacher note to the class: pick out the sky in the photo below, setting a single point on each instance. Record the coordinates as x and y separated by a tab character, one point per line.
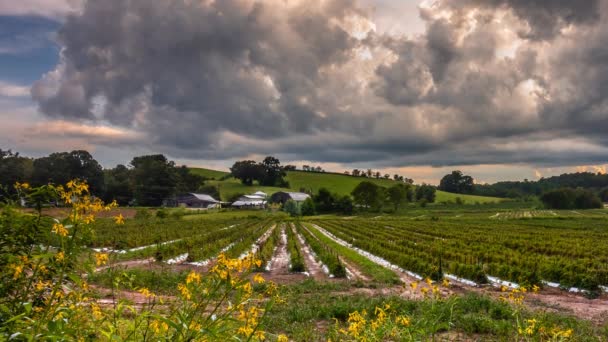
500	89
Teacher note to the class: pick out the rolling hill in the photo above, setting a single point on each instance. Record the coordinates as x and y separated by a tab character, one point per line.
313	181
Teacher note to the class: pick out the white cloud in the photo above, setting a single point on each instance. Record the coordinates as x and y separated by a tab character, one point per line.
55	9
13	90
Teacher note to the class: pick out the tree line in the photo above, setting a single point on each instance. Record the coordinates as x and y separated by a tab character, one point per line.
146	181
366	196
582	190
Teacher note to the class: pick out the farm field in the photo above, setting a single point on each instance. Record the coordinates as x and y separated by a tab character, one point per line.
328	266
313	181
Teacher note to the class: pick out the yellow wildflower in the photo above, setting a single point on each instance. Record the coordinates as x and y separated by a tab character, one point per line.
260	335
146	293
184	291
96	310
445	283
403	320
428	281
414	285
535	289
282	338
59	229
193	277
119	219
60	256
258	279
101	259
18	270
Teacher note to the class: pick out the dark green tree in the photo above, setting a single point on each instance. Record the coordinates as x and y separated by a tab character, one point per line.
153	178
13	168
397	195
118	185
273	172
345	205
456	182
368	195
425	193
186	180
308	207
324	201
247	171
211	190
61	167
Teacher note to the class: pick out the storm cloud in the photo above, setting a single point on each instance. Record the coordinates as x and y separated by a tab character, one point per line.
488	82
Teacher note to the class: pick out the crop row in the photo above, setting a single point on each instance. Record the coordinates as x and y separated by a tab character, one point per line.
295	253
325	253
199	247
266	248
134	233
522	252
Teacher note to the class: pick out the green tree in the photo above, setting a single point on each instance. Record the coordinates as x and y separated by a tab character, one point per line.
186	180
153	178
118	185
211	190
456	182
61	167
13	168
368	195
292	208
247	171
397	195
425	192
324	201
308	207
273	172
345	205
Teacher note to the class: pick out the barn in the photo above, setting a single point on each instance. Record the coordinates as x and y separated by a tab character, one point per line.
250	202
284	196
193	200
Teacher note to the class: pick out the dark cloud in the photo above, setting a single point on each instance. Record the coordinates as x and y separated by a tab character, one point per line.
499	81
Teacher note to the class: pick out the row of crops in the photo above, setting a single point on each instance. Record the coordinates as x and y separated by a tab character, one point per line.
135	233
568	252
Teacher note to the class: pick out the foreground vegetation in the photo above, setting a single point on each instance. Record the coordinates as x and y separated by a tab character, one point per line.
54	286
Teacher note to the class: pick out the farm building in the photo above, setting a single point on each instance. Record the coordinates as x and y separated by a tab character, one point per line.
192	200
260	193
250	202
283	196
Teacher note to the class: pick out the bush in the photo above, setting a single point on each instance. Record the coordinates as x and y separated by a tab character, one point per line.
568	198
142	214
292	208
308	207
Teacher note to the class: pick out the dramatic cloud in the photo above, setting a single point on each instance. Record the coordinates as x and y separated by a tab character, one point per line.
486	82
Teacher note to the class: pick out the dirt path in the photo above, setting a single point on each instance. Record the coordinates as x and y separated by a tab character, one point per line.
279	264
313	266
353	272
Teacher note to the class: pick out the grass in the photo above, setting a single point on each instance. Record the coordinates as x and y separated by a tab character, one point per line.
208	173
313	181
315	315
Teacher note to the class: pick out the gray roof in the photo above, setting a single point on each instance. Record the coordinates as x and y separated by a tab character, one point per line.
252	197
205	197
298	196
244	203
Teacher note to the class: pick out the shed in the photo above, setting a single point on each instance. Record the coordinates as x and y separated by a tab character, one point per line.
284	196
193	200
260	193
